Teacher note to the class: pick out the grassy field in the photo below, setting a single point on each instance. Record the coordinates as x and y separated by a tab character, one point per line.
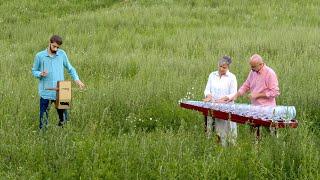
138	59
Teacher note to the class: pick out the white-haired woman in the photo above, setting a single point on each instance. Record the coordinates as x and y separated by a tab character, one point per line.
221	85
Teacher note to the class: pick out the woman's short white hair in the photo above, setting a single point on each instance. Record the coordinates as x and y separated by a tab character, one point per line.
225	60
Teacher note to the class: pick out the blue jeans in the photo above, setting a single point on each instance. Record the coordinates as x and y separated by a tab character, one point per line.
44	113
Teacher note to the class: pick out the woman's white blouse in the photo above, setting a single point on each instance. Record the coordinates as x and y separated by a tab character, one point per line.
218	87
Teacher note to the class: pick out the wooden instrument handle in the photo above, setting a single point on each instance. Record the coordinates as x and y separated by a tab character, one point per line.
53	89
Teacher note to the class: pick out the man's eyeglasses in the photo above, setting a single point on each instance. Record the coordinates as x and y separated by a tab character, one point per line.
256	67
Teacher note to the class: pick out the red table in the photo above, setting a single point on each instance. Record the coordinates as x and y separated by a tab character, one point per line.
239	119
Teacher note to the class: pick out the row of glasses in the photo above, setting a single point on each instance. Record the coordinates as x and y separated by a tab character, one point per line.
285	112
277	113
266	112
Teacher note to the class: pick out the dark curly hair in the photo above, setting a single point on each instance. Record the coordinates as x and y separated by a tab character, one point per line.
57	39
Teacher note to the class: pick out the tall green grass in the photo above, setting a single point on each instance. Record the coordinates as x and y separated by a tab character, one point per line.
138	58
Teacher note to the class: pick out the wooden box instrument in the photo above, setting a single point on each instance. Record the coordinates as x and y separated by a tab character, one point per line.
63	99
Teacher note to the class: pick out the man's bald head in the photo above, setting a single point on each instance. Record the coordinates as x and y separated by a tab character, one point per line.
256	62
256	58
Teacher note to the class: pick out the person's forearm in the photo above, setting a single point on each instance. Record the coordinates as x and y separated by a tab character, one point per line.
262	95
272	93
258	95
238	94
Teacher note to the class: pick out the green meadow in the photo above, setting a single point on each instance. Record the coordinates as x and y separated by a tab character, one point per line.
138	59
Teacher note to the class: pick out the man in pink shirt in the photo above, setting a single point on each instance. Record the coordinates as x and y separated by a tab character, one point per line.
262	83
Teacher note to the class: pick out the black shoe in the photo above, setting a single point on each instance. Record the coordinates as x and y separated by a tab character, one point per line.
60	124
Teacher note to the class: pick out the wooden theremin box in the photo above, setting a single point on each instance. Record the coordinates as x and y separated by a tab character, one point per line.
63	100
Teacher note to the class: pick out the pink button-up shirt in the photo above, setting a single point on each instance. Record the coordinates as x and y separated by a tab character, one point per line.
264	81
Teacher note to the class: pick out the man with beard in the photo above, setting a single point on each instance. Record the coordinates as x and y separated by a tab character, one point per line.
48	67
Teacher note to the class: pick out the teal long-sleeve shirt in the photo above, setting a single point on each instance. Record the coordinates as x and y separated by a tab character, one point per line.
54	65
